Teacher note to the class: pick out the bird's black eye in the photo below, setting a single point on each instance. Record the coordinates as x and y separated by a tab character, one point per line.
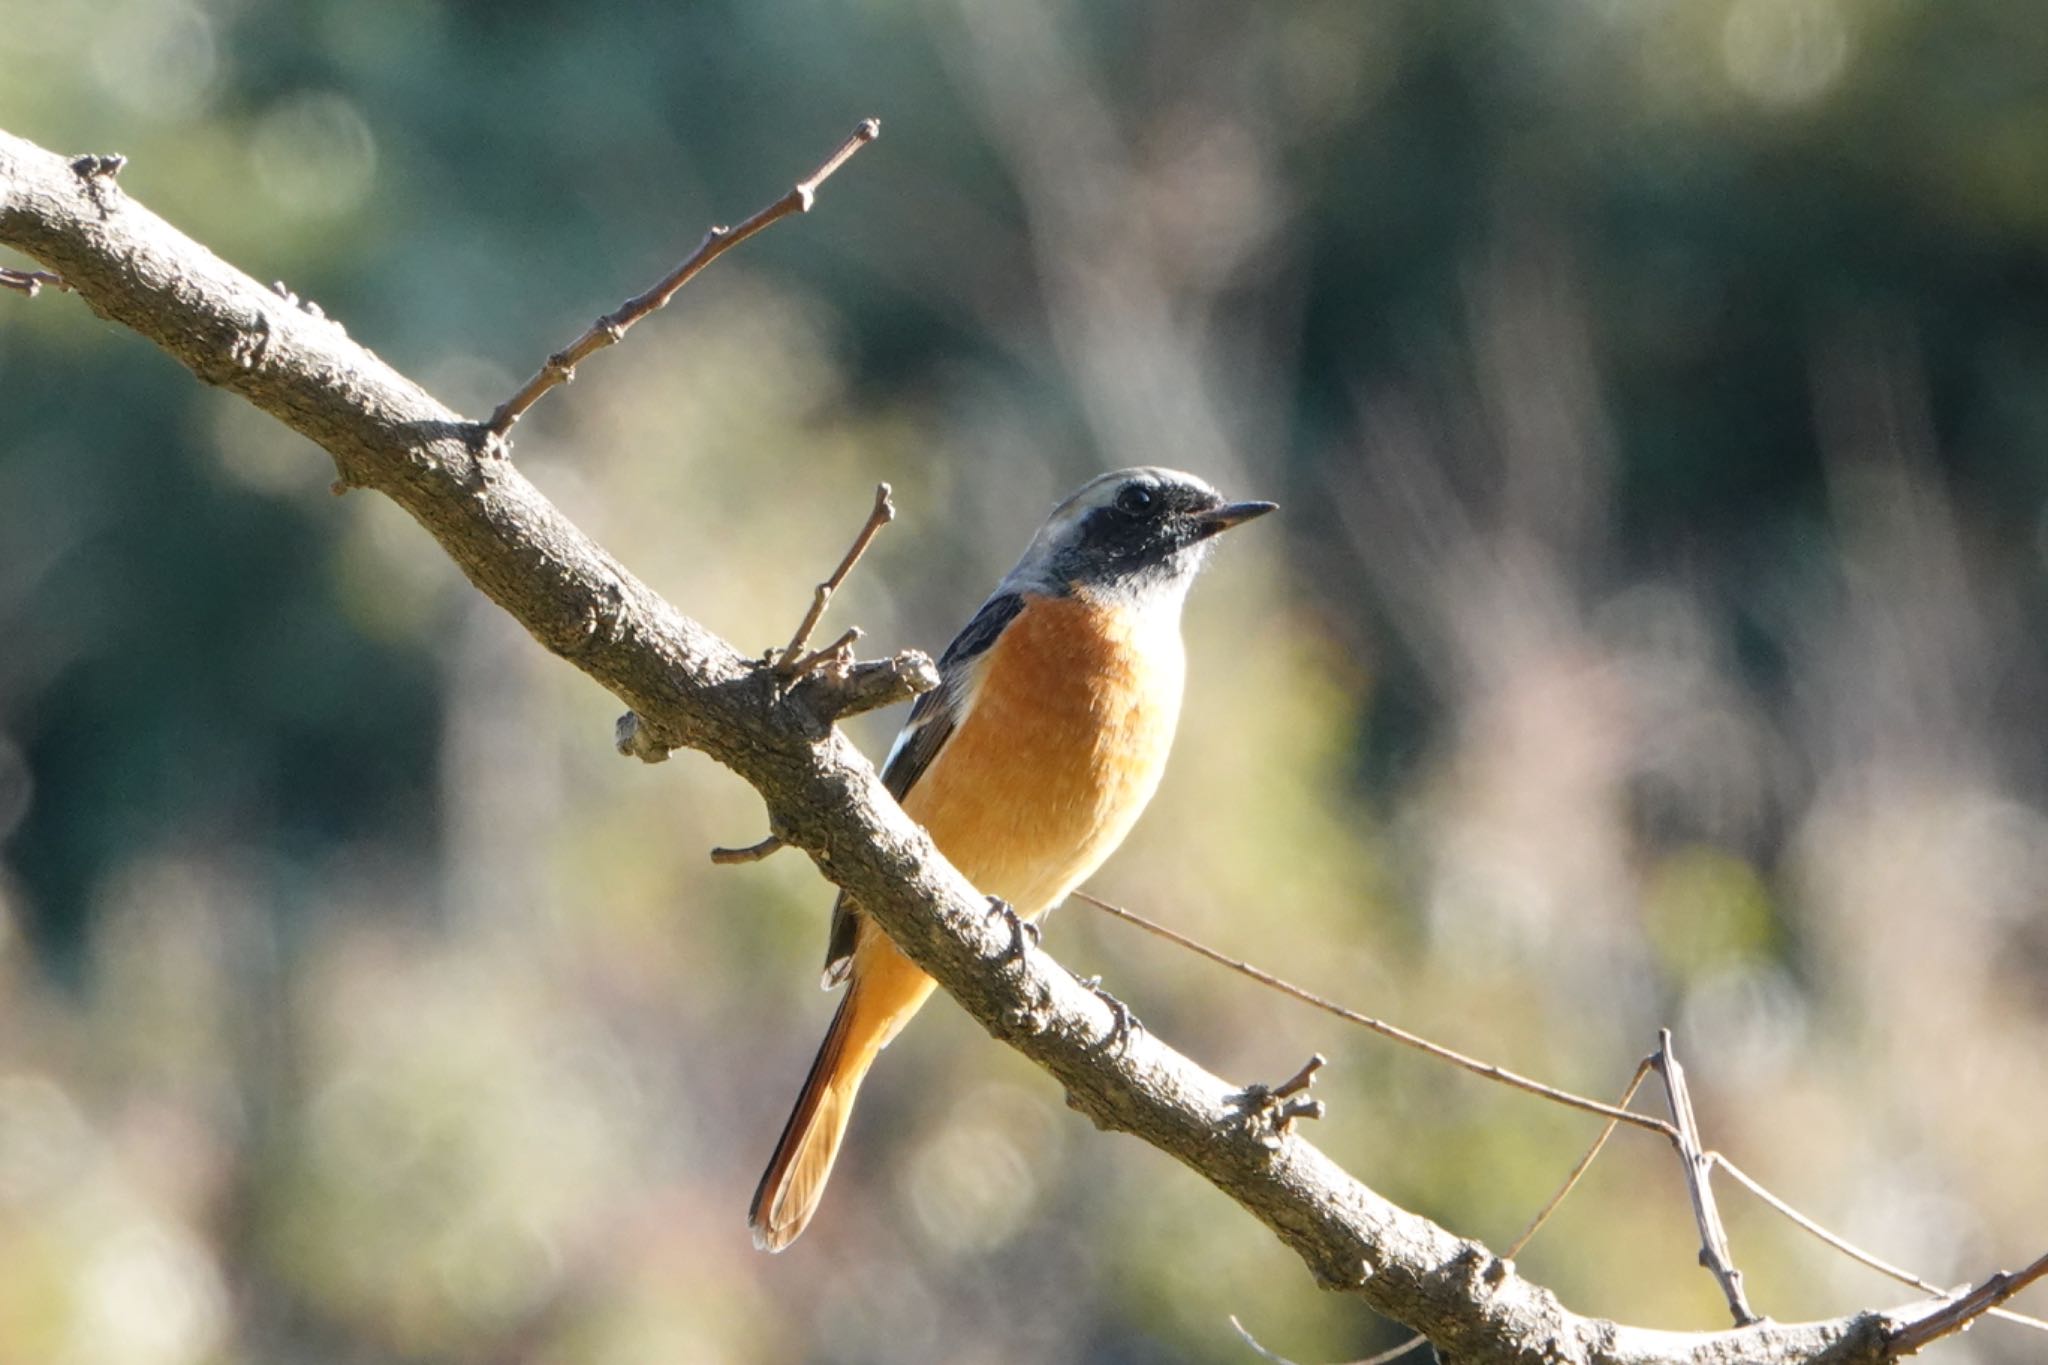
1135	499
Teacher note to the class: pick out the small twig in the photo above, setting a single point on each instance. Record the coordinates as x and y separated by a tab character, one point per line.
1302	1079
1578	1173
840	651
1699	1168
1270	1110
1384	1029
752	853
1959	1315
855	686
561	366
1381	1359
1850	1249
30	282
1255	1344
880	515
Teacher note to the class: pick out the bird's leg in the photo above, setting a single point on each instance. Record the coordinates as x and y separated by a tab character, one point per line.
1021	929
1123	1024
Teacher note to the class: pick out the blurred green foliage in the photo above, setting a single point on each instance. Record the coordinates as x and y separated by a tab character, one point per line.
1656	395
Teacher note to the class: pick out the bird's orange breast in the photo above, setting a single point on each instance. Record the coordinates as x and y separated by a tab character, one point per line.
1063	741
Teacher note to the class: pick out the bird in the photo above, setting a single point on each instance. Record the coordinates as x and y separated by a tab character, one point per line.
1027	765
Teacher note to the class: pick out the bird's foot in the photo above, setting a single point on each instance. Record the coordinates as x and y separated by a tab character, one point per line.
1123	1024
1024	935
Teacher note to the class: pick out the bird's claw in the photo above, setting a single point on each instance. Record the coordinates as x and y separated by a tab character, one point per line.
1123	1024
1024	935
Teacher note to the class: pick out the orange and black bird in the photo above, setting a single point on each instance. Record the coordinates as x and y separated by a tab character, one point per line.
1028	765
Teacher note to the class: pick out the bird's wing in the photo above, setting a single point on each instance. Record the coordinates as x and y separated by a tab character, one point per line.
932	720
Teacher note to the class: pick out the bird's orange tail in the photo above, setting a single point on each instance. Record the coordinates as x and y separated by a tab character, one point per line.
795	1179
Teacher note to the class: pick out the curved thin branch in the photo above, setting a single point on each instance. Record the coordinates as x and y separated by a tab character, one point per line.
691	688
1491	1071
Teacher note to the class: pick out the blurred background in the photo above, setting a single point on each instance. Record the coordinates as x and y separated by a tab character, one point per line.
1658	398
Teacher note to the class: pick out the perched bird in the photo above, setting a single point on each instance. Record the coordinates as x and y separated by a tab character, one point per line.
1028	765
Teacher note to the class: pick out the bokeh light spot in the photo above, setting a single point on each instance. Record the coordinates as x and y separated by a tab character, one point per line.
314	154
1784	52
43	1139
157	57
148	1297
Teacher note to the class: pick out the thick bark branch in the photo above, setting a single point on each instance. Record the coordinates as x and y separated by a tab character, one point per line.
691	688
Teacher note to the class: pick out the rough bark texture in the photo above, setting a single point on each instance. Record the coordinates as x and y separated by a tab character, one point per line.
693	689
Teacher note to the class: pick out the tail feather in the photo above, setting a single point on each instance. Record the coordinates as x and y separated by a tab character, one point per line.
795	1179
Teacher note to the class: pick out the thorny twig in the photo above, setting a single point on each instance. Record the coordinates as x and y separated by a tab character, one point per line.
561	366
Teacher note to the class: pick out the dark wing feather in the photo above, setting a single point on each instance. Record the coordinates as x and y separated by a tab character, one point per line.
931	723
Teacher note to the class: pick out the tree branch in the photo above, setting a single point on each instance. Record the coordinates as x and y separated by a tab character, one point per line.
1699	1173
691	688
561	366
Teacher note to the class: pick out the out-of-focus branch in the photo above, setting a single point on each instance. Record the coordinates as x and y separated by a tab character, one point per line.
690	688
561	366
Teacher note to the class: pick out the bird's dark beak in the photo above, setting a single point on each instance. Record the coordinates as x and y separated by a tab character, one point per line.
1230	514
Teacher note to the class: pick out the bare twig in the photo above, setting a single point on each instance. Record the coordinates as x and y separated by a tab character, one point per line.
1699	1170
1578	1173
561	366
856	685
839	652
880	515
1383	1358
752	853
1850	1249
1302	1079
29	282
1957	1316
1272	1109
1384	1029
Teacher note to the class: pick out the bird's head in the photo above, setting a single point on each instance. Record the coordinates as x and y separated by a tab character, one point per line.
1133	534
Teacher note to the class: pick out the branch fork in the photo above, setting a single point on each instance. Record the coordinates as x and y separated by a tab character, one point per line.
1269	1111
832	682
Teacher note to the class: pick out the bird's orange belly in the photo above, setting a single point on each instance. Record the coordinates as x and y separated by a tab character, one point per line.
1061	748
